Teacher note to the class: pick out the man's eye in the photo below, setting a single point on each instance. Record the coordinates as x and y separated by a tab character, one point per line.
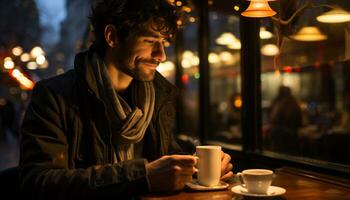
149	41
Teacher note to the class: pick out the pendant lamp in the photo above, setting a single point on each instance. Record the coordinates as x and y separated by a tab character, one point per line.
259	8
309	34
336	15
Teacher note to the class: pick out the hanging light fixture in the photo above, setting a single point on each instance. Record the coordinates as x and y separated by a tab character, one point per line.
336	15
259	8
309	34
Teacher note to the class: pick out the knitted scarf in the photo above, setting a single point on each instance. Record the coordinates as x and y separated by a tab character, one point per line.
128	124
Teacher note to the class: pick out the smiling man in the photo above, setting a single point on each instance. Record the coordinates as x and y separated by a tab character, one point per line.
102	130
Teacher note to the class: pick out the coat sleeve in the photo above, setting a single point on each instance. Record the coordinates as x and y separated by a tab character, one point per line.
44	157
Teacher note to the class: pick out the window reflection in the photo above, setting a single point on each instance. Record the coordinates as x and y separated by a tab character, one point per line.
225	80
305	78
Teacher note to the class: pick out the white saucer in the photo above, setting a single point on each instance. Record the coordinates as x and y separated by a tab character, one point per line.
195	186
271	191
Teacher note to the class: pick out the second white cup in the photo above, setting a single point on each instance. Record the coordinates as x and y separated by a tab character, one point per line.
257	181
209	165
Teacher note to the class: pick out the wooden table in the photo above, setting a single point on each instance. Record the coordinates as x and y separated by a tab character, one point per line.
298	183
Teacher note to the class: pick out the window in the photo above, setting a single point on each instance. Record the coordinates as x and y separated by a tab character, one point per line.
305	82
225	80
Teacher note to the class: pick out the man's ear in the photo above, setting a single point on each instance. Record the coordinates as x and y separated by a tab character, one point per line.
111	35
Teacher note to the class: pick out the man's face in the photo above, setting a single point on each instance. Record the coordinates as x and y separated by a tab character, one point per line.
140	55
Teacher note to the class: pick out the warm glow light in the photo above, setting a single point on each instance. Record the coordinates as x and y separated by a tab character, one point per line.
178	3
236	8
264	34
269	50
8	63
166	68
25	57
36	51
192	19
238	102
213	58
259	8
230	40
336	15
186	9
189	59
40	59
309	34
32	65
17	51
226	57
25	82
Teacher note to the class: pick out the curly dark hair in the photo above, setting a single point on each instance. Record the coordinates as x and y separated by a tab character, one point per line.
132	17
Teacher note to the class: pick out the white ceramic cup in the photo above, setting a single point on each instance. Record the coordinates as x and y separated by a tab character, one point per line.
256	181
208	165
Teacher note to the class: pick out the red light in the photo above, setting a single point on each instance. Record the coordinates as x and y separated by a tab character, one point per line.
287	69
185	79
297	69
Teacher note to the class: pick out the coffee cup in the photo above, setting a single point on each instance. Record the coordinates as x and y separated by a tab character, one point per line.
208	165
256	181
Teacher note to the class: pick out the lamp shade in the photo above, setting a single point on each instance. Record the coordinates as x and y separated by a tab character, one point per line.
309	34
259	8
336	15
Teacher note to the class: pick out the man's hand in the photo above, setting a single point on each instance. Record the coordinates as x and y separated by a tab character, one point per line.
226	166
170	173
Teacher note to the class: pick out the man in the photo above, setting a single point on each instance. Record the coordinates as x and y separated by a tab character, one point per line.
102	130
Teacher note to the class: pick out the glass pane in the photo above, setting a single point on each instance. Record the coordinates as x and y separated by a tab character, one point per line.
305	81
225	80
189	79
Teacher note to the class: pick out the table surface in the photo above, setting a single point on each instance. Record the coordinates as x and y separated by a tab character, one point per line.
299	184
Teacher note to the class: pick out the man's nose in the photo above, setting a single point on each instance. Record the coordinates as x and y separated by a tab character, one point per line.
158	52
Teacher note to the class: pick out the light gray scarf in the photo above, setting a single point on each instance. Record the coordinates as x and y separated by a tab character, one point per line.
128	124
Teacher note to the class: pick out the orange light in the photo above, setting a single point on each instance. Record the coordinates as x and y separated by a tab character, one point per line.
185	79
259	8
238	102
25	82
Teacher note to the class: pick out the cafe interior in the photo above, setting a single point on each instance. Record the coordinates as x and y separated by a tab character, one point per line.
269	82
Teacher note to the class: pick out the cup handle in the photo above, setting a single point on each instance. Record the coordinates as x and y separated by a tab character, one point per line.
240	178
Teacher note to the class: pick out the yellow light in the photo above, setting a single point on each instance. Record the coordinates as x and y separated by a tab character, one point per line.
17	51
32	65
192	19
40	59
259	8
213	58
264	34
179	3
186	9
179	22
25	82
336	15
8	63
36	51
269	50
25	57
236	8
309	34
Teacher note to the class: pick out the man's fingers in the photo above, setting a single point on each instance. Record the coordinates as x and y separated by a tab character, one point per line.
227	176
225	161
229	168
184	160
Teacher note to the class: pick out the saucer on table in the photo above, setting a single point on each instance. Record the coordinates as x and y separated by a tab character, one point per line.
194	185
271	191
